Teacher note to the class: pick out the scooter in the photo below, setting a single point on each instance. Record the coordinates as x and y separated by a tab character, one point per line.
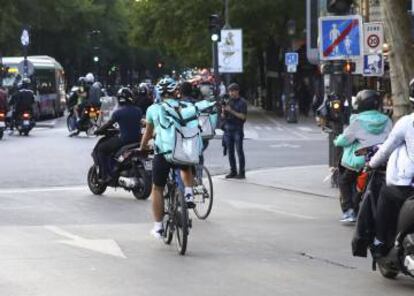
87	123
24	123
131	170
2	123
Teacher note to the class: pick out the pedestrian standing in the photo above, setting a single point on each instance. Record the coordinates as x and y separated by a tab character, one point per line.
234	115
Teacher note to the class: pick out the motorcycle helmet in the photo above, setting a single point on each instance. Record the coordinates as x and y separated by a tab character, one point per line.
143	89
124	96
367	100
26	82
411	91
89	78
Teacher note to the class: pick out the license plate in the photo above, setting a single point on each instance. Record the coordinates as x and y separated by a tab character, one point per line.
2	124
26	122
148	165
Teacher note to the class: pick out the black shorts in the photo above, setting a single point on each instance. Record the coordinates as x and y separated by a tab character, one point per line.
161	168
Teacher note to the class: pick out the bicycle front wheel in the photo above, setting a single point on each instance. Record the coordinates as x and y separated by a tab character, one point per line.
181	222
203	194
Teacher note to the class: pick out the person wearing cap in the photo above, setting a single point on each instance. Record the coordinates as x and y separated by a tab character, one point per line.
234	115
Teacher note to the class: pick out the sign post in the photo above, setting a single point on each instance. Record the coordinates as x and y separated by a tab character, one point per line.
25	40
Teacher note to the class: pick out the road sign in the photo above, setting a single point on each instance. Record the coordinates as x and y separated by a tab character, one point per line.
291	59
373	65
292	68
25	38
230	51
373	37
30	68
341	37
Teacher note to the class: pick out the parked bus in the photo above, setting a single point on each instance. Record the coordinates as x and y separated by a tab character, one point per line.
48	83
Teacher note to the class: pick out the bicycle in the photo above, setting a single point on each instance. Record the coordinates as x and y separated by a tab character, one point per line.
203	192
176	218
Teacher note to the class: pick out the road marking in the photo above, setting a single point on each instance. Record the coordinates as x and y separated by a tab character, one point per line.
243	205
258	127
46	189
305	129
285	145
103	246
268	128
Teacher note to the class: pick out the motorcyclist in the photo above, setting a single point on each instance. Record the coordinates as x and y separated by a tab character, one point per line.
399	179
128	118
22	101
367	128
167	88
94	90
3	99
143	98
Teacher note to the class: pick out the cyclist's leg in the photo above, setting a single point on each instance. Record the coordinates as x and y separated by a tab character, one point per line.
160	171
187	177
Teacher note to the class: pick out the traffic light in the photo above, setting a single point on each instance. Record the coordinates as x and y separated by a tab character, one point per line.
349	67
339	7
214	26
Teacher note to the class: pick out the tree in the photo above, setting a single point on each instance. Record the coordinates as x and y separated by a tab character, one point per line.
399	37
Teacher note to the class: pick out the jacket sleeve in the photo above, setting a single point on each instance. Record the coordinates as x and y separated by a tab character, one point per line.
348	137
395	139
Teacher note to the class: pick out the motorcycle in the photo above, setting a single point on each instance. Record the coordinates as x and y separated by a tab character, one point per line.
2	123
131	170
87	123
400	259
25	123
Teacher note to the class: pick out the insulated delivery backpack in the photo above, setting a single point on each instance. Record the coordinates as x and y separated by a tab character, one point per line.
179	134
208	118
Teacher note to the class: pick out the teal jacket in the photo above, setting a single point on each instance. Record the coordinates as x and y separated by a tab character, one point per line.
365	129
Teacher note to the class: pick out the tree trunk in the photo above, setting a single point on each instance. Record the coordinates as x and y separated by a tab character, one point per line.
397	26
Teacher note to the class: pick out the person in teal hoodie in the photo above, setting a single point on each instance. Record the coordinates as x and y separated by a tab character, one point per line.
366	128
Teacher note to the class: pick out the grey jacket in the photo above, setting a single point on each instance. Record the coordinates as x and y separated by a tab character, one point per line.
401	139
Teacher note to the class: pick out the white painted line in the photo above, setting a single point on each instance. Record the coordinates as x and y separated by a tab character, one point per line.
268	128
258	127
305	129
285	145
243	205
45	189
103	246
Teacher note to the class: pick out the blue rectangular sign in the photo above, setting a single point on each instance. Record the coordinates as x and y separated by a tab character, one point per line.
340	37
291	59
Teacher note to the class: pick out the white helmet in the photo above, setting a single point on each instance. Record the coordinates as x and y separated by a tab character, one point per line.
89	78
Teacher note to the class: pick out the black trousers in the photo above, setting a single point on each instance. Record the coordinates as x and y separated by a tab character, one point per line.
389	205
347	187
105	151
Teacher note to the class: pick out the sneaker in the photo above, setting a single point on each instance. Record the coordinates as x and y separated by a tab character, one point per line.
157	233
348	216
232	175
189	199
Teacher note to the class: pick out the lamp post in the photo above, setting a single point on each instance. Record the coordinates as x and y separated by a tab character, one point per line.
291	112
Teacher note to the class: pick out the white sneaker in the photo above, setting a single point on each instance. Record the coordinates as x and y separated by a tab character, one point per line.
156	233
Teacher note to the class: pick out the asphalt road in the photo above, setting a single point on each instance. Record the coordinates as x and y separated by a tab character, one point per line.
48	157
56	238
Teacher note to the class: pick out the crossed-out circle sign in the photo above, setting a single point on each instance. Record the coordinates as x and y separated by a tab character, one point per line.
373	41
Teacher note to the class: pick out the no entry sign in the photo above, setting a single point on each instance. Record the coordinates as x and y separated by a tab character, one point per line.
373	37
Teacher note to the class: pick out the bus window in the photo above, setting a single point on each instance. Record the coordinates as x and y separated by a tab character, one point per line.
45	81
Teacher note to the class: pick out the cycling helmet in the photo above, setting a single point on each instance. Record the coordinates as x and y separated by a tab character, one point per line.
367	100
167	86
89	78
124	96
411	91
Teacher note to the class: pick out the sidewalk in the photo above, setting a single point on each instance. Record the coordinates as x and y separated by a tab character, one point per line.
314	180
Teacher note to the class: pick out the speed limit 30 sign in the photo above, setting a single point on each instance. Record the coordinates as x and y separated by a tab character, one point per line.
373	37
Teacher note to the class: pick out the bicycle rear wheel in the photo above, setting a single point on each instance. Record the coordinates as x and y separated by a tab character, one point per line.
181	222
167	225
203	194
